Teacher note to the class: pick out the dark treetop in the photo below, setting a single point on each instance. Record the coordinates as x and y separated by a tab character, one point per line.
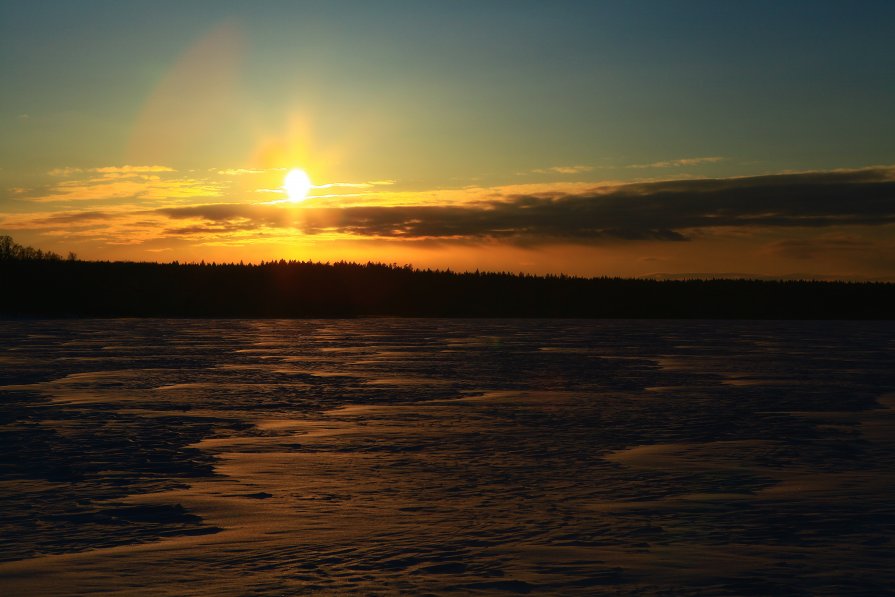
70	288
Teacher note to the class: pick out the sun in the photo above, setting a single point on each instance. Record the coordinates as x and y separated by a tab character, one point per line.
297	185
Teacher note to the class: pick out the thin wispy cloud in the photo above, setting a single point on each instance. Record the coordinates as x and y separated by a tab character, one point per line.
129	189
245	171
132	169
106	183
813	248
679	163
357	186
66	171
69	171
354	185
563	170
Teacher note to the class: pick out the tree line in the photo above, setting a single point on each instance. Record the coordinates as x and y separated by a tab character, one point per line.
12	251
49	286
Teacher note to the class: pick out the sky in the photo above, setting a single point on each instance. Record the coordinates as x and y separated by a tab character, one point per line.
642	138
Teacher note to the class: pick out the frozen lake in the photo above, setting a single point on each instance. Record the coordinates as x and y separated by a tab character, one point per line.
383	456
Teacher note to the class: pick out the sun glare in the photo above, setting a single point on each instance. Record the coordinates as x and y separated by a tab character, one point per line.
297	185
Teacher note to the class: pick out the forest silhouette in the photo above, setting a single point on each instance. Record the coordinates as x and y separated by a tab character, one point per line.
43	284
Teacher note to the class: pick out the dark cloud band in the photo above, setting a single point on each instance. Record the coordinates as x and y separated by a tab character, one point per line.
666	210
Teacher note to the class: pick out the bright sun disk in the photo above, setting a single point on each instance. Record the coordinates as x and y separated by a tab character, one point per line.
297	185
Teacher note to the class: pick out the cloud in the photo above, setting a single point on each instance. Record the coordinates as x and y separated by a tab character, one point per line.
680	162
148	182
242	171
77	217
335	185
354	185
66	171
563	170
147	189
132	169
661	211
55	220
69	171
813	248
793	216
344	185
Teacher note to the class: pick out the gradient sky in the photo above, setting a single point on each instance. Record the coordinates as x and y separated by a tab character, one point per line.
618	138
